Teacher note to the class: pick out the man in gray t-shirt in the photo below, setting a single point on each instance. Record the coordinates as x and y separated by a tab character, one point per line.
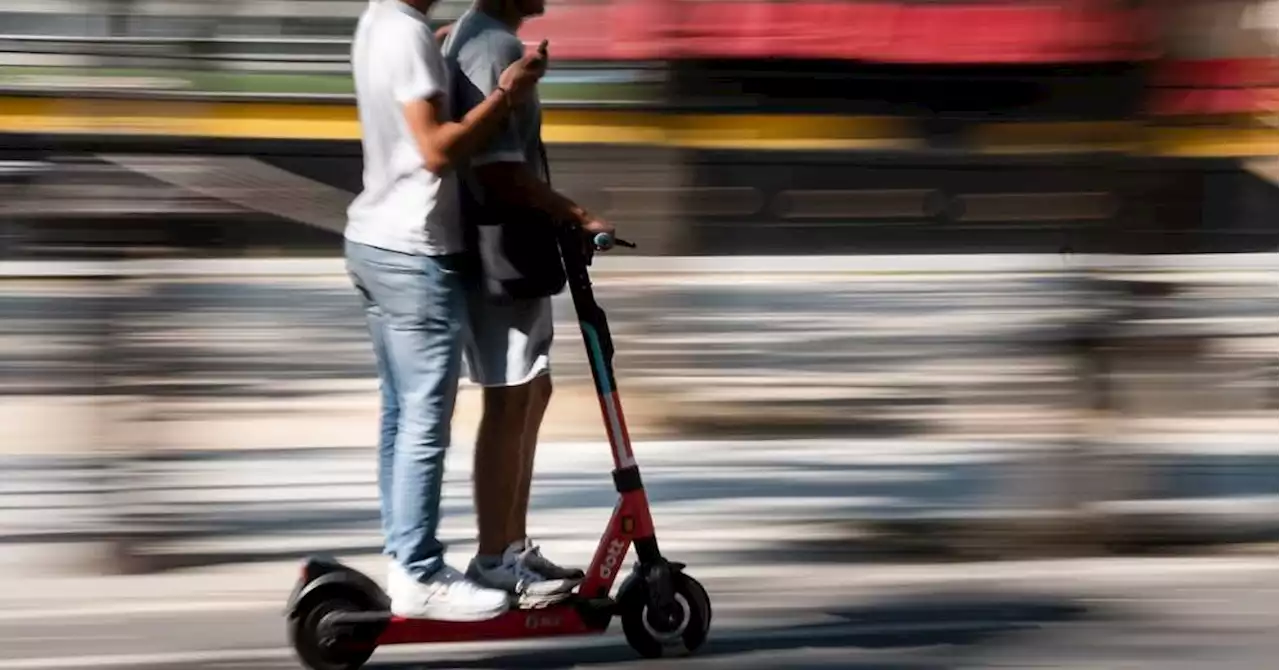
508	347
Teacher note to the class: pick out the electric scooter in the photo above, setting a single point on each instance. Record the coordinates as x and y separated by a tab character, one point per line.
337	616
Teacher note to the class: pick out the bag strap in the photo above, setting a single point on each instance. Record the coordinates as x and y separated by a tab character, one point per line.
546	167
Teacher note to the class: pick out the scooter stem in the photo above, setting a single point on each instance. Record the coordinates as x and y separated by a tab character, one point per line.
599	344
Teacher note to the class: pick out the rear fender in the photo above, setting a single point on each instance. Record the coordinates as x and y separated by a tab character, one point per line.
323	574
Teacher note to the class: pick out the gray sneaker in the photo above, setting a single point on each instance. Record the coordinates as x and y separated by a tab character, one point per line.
532	557
516	575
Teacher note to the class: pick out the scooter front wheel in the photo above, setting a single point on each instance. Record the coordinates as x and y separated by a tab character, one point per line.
656	636
321	646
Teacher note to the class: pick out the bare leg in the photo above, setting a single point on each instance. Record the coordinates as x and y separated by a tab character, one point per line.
498	464
539	398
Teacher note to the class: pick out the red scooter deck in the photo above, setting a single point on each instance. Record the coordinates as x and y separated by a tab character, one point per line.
556	620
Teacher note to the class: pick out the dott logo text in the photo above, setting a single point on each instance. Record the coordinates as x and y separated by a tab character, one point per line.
534	621
612	557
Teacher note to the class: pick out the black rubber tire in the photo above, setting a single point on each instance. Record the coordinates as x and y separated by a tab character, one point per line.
634	603
304	637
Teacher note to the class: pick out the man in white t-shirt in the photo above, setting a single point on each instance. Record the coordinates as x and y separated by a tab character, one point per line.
403	248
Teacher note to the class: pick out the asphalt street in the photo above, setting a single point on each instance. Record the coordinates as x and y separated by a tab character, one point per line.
751	500
769	524
1163	613
851	354
234	335
964	337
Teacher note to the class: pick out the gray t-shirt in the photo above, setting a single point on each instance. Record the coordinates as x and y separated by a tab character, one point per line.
478	49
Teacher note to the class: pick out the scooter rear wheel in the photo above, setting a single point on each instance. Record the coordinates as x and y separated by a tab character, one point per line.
318	647
652	636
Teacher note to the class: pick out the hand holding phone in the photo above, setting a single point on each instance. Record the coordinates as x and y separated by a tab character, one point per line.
521	77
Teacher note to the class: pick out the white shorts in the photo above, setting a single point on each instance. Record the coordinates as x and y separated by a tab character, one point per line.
507	344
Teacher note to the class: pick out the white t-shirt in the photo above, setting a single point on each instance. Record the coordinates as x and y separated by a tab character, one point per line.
404	207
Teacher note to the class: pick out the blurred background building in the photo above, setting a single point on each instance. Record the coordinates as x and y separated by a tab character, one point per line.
1146	126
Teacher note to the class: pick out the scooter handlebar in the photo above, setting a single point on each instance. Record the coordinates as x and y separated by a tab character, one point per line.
605	242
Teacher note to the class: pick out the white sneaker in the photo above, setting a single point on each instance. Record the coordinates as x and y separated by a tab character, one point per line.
515	574
445	596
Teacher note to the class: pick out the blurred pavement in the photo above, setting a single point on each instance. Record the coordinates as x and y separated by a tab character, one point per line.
219	411
272	354
773	528
755	500
1159	613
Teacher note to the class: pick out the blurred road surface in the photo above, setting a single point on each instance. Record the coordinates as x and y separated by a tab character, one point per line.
871	351
772	525
758	501
1157	613
241	336
209	363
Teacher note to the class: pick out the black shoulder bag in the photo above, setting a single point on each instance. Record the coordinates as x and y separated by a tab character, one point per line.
518	256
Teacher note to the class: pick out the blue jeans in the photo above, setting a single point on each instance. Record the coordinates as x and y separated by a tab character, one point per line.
414	306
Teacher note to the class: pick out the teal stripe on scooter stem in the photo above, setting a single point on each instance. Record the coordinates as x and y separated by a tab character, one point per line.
597	357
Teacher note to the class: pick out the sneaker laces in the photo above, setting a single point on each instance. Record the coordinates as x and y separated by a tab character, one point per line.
525	574
449	575
448	580
532	556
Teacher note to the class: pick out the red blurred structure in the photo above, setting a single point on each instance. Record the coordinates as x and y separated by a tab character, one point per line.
882	31
1218	59
1215	87
1214	76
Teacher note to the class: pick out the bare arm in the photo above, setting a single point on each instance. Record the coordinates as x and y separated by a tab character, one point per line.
514	184
500	166
443	142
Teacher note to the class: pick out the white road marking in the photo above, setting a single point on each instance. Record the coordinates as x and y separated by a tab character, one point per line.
135	660
140	609
70	637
